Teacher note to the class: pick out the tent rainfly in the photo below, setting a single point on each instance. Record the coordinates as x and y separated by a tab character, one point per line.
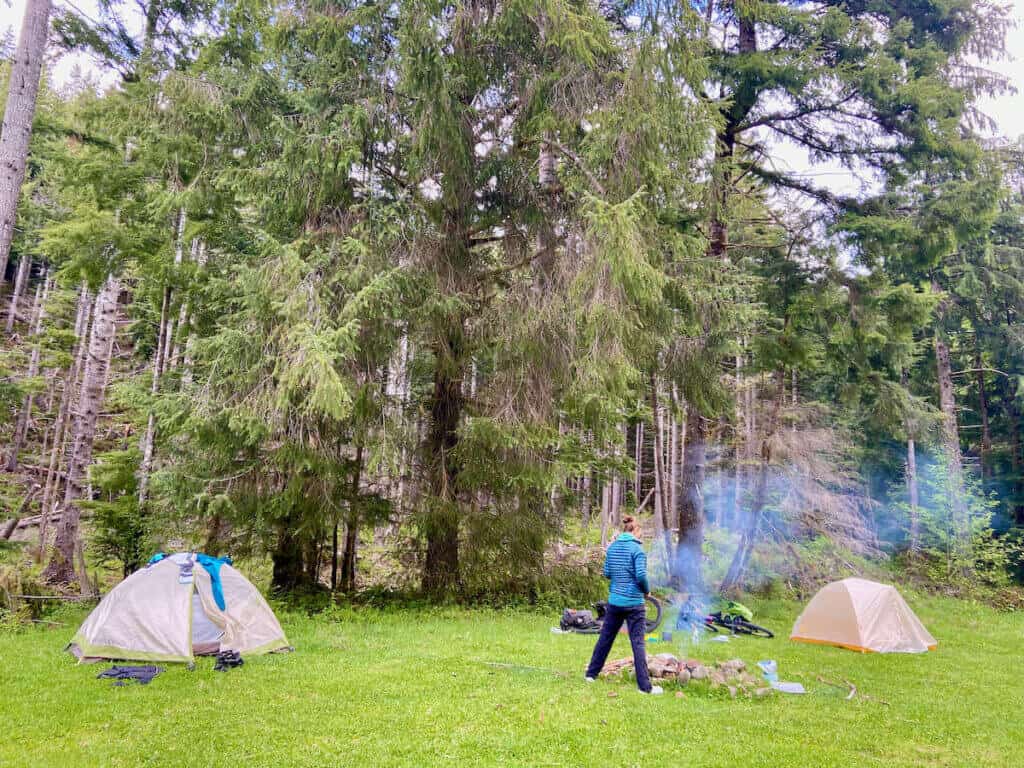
177	607
864	616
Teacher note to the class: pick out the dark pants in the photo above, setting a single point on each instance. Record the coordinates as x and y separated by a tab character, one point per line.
636	620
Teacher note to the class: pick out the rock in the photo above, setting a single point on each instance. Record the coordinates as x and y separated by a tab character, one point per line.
732	691
616	667
662	665
699	672
692	664
731	668
680	695
683	675
717	678
762	692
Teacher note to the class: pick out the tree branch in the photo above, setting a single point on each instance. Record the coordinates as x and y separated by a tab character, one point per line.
579	163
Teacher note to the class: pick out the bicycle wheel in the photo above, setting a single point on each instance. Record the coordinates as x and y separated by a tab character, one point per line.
745	627
653	622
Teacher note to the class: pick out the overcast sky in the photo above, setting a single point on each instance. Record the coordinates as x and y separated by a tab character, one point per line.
1007	110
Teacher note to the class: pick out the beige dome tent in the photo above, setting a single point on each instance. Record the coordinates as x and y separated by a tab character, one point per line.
863	616
175	608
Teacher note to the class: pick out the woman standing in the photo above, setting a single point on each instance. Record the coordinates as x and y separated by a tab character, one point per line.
625	563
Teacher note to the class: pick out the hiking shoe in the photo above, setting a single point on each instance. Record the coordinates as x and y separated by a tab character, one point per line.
589	679
656	690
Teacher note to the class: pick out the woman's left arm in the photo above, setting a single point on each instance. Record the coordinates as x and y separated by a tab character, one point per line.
640	567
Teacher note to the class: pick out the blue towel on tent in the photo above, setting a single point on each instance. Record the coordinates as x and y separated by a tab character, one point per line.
212	566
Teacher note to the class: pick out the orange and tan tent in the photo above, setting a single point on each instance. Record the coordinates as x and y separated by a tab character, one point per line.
863	616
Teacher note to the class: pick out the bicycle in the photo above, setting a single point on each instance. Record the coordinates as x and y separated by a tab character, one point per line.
589	623
739	625
733	616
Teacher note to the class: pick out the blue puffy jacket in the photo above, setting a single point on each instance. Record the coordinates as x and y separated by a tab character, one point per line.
625	563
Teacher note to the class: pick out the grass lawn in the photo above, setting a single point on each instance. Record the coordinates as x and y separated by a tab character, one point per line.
412	689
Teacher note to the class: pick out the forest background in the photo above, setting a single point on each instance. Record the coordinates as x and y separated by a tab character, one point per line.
422	298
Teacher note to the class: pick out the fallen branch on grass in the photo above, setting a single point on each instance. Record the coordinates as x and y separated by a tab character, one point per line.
522	667
852	691
850	687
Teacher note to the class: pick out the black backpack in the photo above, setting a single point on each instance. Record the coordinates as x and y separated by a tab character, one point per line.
578	621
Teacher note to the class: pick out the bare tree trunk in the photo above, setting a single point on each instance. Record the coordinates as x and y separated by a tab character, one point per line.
146	465
184	318
61	569
606	512
615	519
915	514
794	401
719	443
734	577
18	115
986	435
199	256
20	281
21	426
587	501
662	477
638	460
911	470
12	524
660	492
673	471
959	529
60	429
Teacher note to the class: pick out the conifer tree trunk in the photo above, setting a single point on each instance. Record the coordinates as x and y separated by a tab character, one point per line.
348	562
288	572
334	556
20	281
61	569
60	427
21	426
441	566
18	115
1015	459
688	560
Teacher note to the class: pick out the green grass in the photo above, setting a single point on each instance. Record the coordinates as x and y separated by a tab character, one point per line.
412	689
